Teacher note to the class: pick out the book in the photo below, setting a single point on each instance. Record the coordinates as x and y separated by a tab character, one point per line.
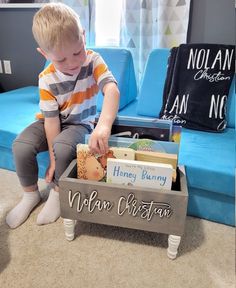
137	127
141	132
176	133
142	144
139	173
93	167
159	157
160	125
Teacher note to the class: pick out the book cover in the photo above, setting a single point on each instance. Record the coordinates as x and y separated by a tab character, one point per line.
93	167
141	121
159	157
165	124
163	134
142	144
142	128
139	173
176	133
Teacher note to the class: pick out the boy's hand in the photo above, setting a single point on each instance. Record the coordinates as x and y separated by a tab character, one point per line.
49	173
98	142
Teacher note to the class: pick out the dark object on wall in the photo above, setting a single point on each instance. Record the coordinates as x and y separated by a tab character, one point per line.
197	86
23	1
1	89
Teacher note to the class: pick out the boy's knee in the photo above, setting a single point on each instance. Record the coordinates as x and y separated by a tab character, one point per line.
63	152
22	149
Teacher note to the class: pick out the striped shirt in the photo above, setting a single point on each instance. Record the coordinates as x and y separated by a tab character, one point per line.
73	98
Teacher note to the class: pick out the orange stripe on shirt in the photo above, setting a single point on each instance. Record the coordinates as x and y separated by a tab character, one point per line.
39	116
99	70
45	95
80	97
50	69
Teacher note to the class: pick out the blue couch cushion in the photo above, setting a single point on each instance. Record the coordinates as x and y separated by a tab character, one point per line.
152	84
18	109
208	160
211	206
46	64
120	62
129	110
231	106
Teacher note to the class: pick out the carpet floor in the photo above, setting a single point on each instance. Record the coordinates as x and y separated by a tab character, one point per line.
105	257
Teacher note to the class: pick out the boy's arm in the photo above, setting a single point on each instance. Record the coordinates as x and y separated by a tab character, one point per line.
98	142
52	129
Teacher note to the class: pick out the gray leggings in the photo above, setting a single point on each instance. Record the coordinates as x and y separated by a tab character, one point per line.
33	140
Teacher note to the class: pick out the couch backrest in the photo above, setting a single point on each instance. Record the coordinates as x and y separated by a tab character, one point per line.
152	85
231	106
46	64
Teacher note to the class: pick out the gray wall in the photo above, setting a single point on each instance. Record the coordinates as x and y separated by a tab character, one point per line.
18	46
211	21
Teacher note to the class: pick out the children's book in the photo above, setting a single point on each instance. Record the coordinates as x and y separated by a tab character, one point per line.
142	144
93	167
159	157
139	173
176	133
136	127
145	127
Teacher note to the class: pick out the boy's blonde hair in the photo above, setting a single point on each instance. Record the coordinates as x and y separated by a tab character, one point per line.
56	24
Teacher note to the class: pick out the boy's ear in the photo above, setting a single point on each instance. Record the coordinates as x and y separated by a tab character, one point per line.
42	52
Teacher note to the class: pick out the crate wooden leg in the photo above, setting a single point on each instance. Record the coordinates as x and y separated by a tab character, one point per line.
173	245
69	226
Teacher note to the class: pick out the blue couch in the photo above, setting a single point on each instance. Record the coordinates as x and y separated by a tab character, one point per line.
209	158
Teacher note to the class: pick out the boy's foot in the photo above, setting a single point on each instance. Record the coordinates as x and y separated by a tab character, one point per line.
21	212
51	210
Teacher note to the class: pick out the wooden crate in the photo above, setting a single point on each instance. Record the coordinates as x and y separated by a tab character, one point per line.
162	211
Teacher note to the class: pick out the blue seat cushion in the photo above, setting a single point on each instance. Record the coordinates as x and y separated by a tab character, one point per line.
211	206
209	160
18	109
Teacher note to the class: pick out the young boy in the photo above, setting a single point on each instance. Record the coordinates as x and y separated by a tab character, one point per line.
68	88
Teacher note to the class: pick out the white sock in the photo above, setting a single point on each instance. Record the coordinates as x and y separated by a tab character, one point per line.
22	210
51	210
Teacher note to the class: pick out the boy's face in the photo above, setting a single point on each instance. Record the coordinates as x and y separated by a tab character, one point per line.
68	59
